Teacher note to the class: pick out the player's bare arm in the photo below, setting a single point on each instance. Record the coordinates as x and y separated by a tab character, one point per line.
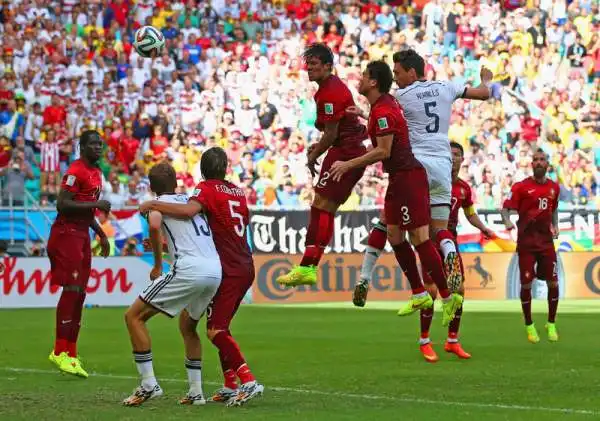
379	153
483	91
67	204
174	210
330	134
154	226
104	244
505	214
554	226
474	220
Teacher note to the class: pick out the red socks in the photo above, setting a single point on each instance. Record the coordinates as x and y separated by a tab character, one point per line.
552	303
68	322
377	239
526	304
408	263
318	236
232	358
432	263
455	324
426	317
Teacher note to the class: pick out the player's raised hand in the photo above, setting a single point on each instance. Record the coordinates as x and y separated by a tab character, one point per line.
354	110
486	75
104	247
103	205
338	169
155	272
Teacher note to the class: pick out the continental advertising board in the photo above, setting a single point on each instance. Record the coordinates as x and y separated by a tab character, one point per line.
488	276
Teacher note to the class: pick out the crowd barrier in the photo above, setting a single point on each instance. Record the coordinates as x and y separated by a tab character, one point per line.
25	282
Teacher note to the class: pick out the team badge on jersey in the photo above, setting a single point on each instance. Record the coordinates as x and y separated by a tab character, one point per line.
328	108
70	180
382	123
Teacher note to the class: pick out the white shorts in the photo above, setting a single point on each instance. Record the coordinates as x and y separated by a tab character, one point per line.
439	174
177	290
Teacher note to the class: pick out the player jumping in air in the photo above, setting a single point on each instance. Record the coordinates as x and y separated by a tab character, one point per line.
427	108
461	198
225	206
407	198
536	201
342	139
69	248
190	285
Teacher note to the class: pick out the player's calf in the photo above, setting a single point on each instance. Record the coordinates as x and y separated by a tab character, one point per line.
193	359
376	243
135	318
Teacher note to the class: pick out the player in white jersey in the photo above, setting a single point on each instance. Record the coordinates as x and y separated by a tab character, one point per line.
427	107
188	288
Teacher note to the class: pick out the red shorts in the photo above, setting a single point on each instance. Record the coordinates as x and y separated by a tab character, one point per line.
339	192
546	265
226	301
70	254
407	199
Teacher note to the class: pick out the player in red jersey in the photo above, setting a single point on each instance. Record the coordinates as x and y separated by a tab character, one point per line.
461	199
69	248
342	139
225	206
535	199
406	205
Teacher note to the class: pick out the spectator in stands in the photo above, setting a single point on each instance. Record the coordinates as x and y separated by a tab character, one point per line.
15	174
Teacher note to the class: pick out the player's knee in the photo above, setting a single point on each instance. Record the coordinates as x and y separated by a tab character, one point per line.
419	235
395	235
552	284
211	333
325	204
187	325
461	290
526	285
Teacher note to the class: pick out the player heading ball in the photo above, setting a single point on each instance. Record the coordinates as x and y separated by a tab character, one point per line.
406	207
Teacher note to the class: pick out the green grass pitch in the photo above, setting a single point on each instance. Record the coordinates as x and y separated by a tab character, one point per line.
325	362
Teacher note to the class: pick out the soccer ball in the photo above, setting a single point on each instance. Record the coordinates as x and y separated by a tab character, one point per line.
148	39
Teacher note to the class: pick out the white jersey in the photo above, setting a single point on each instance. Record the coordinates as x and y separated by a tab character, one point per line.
427	108
189	241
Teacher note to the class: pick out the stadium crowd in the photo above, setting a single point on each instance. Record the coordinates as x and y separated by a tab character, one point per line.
232	75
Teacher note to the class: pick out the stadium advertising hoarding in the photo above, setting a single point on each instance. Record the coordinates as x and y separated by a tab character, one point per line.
488	276
25	282
285	231
115	281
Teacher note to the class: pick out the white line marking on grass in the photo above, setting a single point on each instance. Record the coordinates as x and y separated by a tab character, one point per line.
400	398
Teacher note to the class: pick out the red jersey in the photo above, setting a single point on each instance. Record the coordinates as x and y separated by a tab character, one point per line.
387	118
228	218
535	203
462	197
332	99
86	183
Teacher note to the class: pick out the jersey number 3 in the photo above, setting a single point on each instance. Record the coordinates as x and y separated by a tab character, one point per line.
239	228
434	126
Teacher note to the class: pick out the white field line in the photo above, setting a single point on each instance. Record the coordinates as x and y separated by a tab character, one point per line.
404	399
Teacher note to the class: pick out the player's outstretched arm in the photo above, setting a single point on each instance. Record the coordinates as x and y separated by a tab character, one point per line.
554	227
382	151
483	91
66	204
174	210
154	226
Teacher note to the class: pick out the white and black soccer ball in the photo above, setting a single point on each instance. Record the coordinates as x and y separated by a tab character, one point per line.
148	39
